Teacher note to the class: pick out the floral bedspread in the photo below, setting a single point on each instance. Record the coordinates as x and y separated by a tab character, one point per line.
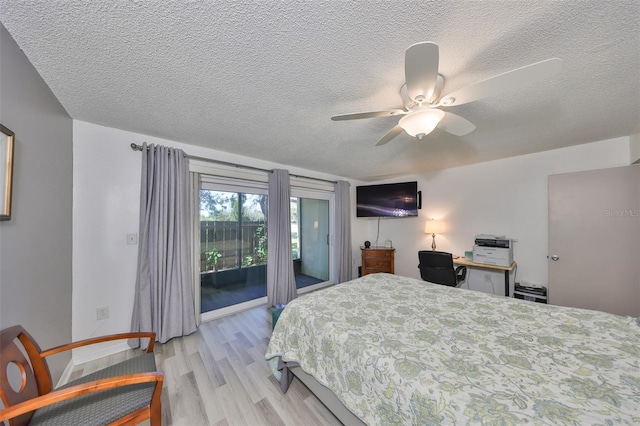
396	350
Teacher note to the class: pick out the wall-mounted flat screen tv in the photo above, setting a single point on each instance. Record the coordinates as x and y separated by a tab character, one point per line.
387	200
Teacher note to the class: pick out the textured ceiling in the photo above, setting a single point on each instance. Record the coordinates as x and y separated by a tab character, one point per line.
262	78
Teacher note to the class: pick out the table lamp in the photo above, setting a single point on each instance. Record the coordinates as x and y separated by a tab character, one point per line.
433	227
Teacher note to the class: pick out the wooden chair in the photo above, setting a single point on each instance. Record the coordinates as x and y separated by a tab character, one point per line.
123	394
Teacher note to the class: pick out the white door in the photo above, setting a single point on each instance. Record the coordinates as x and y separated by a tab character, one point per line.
594	240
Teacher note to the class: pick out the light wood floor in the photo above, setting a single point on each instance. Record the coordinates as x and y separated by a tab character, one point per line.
218	376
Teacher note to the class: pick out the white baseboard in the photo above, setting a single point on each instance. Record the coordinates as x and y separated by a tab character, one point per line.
66	374
219	313
86	354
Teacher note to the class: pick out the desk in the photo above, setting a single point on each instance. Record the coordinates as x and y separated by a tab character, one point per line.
471	264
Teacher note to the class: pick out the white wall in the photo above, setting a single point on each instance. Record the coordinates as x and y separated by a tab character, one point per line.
35	245
502	197
106	195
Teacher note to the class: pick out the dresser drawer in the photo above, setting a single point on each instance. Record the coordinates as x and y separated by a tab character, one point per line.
378	254
377	264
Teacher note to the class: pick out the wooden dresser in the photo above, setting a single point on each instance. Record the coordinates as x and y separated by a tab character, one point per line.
377	259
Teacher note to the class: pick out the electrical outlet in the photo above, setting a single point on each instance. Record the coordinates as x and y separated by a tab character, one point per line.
102	313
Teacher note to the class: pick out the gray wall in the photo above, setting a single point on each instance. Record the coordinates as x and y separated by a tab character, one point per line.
35	245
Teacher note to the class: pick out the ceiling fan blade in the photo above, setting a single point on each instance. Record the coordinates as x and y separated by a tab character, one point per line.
390	135
370	114
456	125
510	80
421	70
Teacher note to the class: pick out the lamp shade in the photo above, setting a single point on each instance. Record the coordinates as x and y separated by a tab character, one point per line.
433	227
422	122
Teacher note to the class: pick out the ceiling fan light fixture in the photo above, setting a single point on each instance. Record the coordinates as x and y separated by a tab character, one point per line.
449	100
421	123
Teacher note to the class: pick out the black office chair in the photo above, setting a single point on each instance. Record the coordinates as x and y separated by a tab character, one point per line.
437	267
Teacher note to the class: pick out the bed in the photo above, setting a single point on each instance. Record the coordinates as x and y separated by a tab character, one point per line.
396	350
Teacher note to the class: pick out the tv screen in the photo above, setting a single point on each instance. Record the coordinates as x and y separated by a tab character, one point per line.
387	200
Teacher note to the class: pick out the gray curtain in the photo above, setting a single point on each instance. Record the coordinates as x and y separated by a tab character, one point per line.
281	281
164	296
343	231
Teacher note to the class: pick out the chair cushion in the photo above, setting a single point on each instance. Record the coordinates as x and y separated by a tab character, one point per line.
103	407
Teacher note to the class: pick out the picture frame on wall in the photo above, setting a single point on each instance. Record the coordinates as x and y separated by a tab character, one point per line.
6	171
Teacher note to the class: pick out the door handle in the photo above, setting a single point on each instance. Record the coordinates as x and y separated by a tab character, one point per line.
555	257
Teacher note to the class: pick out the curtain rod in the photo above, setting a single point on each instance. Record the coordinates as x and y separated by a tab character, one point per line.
136	147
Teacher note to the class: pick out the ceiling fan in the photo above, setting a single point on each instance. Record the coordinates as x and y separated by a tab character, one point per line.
422	98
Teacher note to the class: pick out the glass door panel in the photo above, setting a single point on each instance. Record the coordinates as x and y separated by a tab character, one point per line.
310	242
233	248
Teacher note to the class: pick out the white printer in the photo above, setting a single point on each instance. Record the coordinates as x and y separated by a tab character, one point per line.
493	250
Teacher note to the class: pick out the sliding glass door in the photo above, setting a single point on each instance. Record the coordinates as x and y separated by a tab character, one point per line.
233	243
233	246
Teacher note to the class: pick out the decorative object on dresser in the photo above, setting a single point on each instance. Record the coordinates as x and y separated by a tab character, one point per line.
377	259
